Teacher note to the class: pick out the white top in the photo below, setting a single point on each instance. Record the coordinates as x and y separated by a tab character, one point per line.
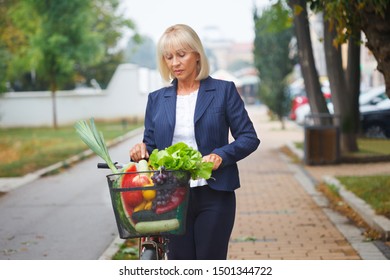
184	128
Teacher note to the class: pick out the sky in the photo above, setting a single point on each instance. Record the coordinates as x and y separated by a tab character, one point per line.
229	19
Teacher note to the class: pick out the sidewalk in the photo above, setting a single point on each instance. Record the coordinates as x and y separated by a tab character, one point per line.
280	215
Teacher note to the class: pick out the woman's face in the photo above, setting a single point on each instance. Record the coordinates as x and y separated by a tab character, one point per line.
182	63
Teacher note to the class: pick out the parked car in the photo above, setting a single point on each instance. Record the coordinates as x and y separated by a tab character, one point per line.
303	110
370	98
297	94
295	103
368	101
299	101
375	123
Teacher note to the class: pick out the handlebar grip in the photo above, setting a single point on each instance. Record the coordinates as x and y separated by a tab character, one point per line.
102	165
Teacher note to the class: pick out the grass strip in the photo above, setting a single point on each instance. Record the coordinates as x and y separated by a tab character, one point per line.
24	150
375	190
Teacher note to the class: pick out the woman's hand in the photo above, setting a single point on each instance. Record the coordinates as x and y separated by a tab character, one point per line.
214	158
139	152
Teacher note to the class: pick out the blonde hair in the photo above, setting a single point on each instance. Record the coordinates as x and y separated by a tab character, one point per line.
184	37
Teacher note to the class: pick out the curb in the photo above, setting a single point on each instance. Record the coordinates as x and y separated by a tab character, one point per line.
112	249
10	184
377	222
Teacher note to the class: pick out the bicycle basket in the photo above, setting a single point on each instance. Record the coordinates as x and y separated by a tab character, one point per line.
149	202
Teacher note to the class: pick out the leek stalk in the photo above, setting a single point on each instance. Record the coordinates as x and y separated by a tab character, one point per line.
95	141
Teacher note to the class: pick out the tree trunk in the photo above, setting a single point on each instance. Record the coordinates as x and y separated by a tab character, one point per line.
54	107
53	88
377	30
306	60
353	91
342	88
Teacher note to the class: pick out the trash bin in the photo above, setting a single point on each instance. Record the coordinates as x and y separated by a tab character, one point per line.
322	139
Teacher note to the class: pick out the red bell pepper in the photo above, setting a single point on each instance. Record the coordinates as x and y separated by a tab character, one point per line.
130	198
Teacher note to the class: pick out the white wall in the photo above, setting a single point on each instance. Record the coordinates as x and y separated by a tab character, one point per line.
125	97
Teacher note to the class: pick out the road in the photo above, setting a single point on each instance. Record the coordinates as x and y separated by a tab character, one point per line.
67	216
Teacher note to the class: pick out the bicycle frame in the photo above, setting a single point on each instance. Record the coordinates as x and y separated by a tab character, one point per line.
153	248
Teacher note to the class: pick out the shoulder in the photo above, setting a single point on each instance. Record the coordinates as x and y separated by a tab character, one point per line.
213	83
168	90
161	90
221	88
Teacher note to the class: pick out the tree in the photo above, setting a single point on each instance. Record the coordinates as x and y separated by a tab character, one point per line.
344	84
110	24
63	40
306	60
370	16
376	27
273	34
104	22
343	22
11	41
4	51
142	54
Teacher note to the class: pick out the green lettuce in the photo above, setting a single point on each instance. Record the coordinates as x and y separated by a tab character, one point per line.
180	156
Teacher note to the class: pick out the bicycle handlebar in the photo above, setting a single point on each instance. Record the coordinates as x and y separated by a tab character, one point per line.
102	165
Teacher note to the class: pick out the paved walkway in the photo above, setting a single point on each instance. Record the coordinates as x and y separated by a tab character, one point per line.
280	215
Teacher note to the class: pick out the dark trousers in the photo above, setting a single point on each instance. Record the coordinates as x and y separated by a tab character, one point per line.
210	220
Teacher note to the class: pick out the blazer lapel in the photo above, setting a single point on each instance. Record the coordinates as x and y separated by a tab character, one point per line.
204	99
170	111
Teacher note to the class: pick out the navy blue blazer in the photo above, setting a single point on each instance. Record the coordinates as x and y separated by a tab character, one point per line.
219	108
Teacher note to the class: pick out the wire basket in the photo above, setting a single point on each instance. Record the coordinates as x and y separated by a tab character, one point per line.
149	203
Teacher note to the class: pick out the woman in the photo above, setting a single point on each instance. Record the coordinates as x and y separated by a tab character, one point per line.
200	111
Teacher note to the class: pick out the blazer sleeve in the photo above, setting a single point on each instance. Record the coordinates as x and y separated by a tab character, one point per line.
149	139
241	127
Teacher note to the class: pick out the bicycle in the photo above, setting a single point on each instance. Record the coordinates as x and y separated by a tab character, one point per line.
166	186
